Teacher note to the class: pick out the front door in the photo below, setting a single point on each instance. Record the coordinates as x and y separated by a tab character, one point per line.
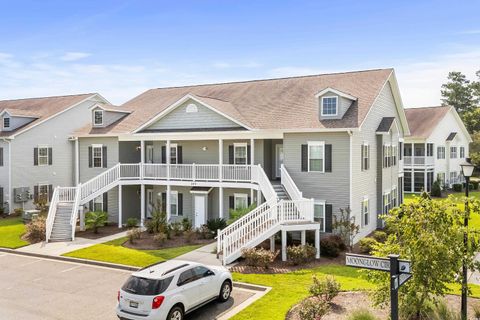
199	211
278	160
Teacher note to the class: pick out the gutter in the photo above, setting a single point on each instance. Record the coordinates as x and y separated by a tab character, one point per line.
350	133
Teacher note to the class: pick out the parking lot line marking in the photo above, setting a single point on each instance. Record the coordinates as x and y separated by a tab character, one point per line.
31	262
70	269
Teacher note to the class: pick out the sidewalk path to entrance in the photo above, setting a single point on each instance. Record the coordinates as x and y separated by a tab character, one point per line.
59	248
205	255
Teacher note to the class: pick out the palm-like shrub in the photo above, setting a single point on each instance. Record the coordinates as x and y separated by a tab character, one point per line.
95	220
236	214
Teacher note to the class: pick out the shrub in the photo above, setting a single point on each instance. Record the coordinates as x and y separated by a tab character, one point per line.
158	222
17	212
476	310
160	238
361	314
441	311
475	184
380	236
339	241
204	232
176	228
436	189
132	222
301	254
36	230
366	244
95	220
346	227
215	224
236	214
259	257
190	236
186	224
457	187
134	234
313	309
329	247
326	288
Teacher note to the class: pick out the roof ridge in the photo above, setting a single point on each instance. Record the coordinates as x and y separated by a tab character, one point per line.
428	107
50	97
269	79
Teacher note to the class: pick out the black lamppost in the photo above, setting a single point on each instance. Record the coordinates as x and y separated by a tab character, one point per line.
467	171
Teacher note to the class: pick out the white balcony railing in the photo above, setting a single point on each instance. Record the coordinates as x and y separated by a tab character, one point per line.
418	161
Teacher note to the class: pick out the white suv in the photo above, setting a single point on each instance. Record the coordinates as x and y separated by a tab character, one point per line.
169	290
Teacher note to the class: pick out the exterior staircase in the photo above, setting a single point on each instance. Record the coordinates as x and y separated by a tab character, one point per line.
280	191
62	229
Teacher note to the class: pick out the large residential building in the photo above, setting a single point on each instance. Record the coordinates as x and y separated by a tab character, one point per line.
300	148
36	152
437	145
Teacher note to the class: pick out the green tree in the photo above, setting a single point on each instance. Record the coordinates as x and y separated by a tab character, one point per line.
95	220
430	234
458	92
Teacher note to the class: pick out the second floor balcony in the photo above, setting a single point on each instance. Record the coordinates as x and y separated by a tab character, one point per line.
412	161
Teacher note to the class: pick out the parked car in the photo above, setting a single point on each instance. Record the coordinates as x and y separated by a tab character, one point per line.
169	290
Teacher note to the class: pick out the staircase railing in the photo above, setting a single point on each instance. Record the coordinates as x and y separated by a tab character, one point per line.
289	184
99	182
264	183
74	215
52	210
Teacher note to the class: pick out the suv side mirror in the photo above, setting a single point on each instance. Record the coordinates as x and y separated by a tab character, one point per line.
209	273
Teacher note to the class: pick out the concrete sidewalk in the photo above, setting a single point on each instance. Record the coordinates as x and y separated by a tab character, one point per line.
205	255
59	248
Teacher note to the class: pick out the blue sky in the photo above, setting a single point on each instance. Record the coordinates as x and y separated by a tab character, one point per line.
121	48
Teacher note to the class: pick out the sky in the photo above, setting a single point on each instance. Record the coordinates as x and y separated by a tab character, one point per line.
121	48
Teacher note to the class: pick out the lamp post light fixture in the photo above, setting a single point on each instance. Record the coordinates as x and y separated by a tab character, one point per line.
467	171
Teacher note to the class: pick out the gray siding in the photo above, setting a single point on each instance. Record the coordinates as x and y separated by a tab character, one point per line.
16	122
129	152
109	117
204	118
87	173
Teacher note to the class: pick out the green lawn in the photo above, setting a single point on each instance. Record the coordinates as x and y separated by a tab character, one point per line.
114	252
11	231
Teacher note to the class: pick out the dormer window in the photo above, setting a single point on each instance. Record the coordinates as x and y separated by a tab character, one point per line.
98	117
329	106
6	123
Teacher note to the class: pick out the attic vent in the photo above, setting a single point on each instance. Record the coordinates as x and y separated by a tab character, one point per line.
192	108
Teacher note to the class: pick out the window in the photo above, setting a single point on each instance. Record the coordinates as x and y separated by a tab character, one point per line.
400	148
462	152
97	155
316	156
319	214
453	152
186	277
393	197
441	178
174	203
191	108
329	106
6	123
146	287
240	153
394	155
453	177
43	193
42	156
173	153
365	212
386	202
365	156
98	117
387	156
240	201
440	152
98	203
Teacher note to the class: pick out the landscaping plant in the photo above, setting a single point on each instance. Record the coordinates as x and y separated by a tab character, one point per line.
186	224
325	288
345	227
313	309
301	254
380	236
216	224
236	214
476	311
134	234
158	222
36	230
441	311
259	257
361	314
366	245
176	228
95	220
330	247
190	236
132	223
436	189
160	238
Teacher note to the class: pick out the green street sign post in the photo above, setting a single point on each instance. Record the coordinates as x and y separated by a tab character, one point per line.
400	272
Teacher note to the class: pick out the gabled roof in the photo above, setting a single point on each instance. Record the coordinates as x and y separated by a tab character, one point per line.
40	108
337	92
110	107
385	125
285	103
422	121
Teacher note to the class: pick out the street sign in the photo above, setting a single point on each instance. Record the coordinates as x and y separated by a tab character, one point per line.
367	262
404	277
404	266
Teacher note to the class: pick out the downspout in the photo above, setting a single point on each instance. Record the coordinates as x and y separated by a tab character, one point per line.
350	133
10	191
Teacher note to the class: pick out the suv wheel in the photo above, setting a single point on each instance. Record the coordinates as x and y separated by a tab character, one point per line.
175	314
225	291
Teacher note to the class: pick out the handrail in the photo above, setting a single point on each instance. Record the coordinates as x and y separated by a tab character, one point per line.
52	210
76	203
289	184
264	183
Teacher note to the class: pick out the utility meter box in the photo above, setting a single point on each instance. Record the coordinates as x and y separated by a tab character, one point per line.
21	194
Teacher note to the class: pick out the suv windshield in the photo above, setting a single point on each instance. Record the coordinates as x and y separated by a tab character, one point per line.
145	286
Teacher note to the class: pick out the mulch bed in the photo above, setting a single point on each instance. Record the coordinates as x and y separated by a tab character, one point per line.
146	242
107	230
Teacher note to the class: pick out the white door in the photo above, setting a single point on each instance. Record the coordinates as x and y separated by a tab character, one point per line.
278	159
149	158
149	202
199	211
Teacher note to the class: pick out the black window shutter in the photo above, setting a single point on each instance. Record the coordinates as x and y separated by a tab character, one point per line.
50	156
35	193
249	201
1	197
230	155
35	156
180	204
164	154
164	202
249	154
105	202
104	154
50	192
362	147
368	157
90	155
328	217
328	158
179	155
304	157
231	202
1	157
90	206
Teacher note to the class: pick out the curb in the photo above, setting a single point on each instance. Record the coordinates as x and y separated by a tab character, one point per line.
69	259
249	286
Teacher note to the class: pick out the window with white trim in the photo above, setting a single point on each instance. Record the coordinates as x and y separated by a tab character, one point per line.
440	152
98	203
42	156
6	122
173	153
174	203
453	177
387	155
240	201
97	155
43	193
393	197
316	156
319	214
98	117
462	152
429	149
240	153
441	178
365	156
386	202
365	211
453	152
329	106
394	156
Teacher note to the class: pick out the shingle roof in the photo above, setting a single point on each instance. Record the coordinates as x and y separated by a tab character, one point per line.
422	121
40	108
385	124
113	108
451	136
286	103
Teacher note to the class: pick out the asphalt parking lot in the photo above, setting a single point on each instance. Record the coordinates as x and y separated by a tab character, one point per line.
34	288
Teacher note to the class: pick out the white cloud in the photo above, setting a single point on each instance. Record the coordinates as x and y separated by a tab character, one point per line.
74	56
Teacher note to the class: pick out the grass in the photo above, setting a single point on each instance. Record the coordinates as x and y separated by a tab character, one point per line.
11	231
114	252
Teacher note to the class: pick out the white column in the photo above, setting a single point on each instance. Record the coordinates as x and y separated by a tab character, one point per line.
303	236
142	205
120	206
272	243
169	190
142	151
284	245
252	151
317	242
82	219
220	158
77	163
167	154
220	202
259	197
251	196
